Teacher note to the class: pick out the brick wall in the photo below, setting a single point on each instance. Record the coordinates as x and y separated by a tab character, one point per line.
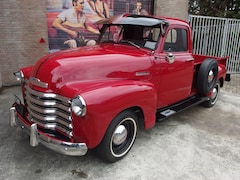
172	8
23	24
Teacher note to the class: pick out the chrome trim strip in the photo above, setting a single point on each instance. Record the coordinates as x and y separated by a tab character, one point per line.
45	121
49	110
47	95
144	73
47	103
50	119
38	82
12	118
190	59
36	137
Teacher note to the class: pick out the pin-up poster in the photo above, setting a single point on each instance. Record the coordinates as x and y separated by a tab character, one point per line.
71	23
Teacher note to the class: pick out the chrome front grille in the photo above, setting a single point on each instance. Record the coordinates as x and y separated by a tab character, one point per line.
50	111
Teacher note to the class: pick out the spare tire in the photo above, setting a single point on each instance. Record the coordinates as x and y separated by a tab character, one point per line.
207	75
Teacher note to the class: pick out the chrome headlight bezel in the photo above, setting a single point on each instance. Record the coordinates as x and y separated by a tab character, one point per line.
19	76
78	106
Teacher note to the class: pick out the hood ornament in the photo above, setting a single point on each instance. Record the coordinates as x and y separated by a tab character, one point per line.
36	82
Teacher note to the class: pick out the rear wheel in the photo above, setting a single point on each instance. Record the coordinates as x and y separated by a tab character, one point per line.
214	96
119	137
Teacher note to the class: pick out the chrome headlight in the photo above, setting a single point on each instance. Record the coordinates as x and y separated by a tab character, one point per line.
19	76
78	106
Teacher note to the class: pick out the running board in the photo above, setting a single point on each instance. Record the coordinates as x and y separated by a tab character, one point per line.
183	105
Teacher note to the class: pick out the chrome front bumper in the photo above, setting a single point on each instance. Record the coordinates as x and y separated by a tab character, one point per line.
36	137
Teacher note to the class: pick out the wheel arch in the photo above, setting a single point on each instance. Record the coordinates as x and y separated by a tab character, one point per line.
138	112
105	103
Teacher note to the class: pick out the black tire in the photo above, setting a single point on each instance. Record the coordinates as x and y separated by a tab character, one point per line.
207	76
214	96
115	145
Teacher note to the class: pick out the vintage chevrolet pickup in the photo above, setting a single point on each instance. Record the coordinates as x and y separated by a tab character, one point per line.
141	71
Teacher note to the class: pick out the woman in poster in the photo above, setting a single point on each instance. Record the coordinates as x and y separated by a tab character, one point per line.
100	7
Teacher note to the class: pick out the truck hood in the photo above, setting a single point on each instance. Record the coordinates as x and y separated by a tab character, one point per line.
91	63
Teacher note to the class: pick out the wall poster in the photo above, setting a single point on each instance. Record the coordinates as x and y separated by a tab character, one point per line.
71	22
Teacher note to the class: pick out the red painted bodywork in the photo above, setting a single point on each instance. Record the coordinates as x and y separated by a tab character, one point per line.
107	77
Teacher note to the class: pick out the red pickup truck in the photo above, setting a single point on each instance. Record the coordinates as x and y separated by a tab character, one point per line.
141	71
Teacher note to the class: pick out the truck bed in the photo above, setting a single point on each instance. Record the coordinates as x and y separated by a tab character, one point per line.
198	59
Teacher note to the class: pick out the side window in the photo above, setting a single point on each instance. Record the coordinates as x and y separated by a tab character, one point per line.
151	37
176	40
151	34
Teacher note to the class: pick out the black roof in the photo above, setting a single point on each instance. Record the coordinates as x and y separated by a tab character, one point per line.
131	19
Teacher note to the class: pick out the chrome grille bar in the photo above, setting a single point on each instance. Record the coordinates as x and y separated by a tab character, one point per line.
49	110
50	119
46	110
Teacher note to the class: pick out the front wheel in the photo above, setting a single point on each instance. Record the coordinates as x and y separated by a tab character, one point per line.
119	137
214	96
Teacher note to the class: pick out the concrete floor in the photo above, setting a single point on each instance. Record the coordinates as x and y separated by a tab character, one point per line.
199	143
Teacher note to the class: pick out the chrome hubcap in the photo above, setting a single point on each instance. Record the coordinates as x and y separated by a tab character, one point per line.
123	137
120	135
214	93
210	76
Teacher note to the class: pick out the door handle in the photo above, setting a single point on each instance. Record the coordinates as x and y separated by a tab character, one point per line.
170	58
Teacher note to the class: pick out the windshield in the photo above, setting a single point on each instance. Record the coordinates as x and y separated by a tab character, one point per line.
134	35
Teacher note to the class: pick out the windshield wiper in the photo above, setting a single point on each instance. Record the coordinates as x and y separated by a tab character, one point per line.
130	42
